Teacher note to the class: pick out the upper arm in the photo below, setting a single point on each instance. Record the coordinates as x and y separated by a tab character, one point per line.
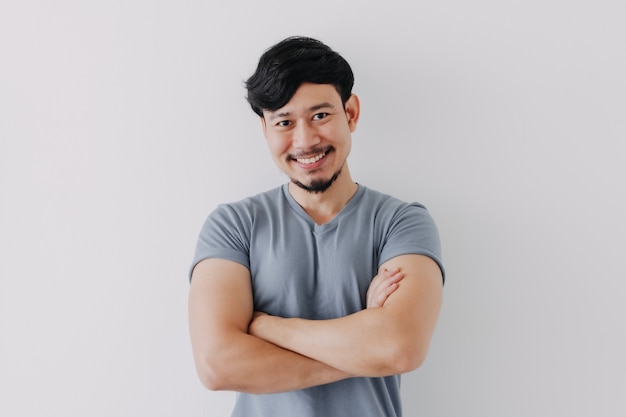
220	301
415	305
227	357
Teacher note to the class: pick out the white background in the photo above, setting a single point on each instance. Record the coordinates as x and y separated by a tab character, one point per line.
123	123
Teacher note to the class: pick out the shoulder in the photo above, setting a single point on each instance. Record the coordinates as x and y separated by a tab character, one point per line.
227	231
388	207
245	210
235	220
404	227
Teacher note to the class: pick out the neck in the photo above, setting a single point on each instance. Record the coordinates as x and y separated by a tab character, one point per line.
323	207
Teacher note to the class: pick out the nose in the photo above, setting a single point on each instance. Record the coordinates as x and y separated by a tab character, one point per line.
304	136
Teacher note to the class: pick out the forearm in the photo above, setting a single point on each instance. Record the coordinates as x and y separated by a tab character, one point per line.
390	339
244	363
362	344
227	357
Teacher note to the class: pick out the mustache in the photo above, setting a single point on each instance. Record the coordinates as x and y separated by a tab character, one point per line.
311	152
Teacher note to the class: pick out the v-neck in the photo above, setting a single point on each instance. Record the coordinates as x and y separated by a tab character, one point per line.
321	228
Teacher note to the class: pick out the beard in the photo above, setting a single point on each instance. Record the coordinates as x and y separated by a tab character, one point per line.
318	186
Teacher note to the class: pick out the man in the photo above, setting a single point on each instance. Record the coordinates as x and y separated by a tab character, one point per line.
311	299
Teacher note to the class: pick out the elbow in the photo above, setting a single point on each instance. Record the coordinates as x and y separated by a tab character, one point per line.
212	376
217	378
210	382
407	358
408	361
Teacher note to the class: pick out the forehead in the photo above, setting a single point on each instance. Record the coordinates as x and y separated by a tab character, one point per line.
308	97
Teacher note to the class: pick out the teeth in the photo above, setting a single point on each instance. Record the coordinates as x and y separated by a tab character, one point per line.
311	160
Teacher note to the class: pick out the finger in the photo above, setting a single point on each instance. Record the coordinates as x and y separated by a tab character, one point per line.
384	275
382	286
395	277
382	297
384	278
387	279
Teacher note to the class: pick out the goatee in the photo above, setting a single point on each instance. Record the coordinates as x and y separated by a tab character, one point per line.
318	186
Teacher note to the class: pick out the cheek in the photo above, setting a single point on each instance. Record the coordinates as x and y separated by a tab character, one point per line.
277	145
337	130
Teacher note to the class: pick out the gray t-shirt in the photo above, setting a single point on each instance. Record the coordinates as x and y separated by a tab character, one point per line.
301	269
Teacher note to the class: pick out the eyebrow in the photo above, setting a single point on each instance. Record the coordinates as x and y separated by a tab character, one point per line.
324	105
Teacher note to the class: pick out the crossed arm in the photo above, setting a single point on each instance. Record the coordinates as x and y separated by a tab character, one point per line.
237	349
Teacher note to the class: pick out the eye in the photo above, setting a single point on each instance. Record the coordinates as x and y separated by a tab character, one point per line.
320	116
283	123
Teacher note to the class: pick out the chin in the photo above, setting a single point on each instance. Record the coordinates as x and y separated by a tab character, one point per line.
317	186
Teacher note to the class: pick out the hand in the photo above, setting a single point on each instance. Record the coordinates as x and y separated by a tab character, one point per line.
255	321
382	286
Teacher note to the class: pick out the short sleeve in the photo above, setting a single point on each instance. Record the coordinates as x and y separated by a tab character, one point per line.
412	230
224	235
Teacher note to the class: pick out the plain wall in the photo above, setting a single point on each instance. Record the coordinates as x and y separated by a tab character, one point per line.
123	124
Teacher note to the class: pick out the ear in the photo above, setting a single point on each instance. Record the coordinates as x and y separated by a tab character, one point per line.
353	110
264	125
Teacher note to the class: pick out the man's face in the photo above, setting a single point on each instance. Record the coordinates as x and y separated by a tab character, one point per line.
310	136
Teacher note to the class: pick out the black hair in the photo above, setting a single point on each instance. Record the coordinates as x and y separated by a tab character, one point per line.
293	61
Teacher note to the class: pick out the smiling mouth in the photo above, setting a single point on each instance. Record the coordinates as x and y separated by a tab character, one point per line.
311	160
312	156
